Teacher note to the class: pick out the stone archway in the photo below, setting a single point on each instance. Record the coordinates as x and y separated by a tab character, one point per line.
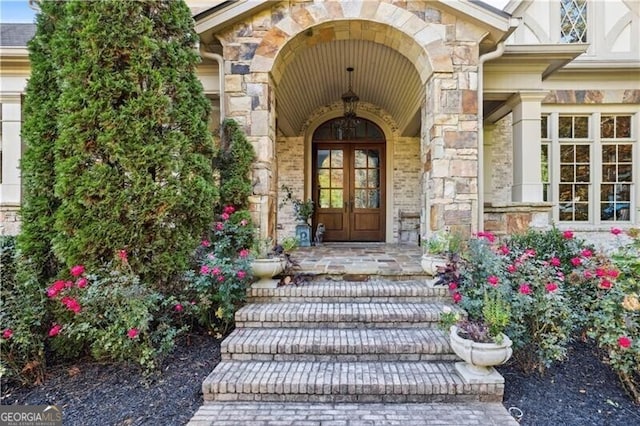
444	51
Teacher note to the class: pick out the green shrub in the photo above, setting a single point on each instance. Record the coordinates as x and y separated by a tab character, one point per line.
234	162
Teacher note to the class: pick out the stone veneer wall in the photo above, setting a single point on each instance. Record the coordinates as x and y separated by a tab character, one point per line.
499	147
406	187
444	50
9	220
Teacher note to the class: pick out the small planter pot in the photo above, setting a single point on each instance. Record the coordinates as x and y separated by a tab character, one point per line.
479	357
431	262
265	270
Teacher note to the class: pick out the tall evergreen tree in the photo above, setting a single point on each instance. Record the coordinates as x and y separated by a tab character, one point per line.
133	154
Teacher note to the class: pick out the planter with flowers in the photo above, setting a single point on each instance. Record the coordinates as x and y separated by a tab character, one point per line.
303	211
266	263
438	247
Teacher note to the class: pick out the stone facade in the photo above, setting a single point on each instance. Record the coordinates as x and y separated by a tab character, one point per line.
9	221
444	51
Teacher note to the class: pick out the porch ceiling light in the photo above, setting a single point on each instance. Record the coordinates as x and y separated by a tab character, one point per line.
347	124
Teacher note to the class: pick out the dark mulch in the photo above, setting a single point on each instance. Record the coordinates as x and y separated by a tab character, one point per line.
107	394
581	391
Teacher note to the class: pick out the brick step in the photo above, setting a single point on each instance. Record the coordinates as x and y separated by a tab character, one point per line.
416	381
321	344
340	315
234	413
356	292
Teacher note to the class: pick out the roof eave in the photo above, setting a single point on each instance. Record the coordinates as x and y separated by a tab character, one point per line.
227	13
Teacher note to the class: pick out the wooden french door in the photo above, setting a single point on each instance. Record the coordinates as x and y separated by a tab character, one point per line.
349	190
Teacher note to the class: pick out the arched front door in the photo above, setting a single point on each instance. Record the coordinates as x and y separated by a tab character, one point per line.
349	181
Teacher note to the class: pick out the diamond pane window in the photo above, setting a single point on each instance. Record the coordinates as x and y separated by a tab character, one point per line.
573	21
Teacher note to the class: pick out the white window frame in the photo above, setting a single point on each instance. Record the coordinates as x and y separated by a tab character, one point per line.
595	112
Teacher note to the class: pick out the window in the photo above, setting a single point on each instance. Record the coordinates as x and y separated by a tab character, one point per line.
573	21
592	179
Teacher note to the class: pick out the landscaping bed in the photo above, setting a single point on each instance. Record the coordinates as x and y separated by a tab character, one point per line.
580	391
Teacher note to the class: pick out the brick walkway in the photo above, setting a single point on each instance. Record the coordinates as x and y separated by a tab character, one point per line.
346	353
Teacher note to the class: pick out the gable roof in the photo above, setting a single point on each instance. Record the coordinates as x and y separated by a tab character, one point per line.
16	35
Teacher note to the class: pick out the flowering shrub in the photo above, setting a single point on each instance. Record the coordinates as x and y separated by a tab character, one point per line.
219	282
110	315
616	318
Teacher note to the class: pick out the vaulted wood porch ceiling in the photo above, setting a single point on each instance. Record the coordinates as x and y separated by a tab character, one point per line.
316	76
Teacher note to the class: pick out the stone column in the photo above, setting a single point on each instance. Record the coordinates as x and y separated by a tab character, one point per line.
11	118
527	179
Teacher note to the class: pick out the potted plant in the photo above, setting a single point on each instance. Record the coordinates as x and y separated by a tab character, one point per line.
436	248
266	263
303	211
480	342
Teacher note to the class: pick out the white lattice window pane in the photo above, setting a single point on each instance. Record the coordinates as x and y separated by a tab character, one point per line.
573	21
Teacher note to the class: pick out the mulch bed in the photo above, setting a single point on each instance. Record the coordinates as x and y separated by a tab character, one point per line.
581	391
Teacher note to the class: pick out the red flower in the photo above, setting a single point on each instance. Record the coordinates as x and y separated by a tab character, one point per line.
242	274
122	254
567	235
71	304
616	231
493	280
453	286
7	333
512	268
82	282
613	273
77	270
524	288
555	261
488	235
55	288
504	250
229	209
600	272
551	287
576	261
586	253
605	284
205	243
457	297
55	330
624	342
178	307
243	253
133	333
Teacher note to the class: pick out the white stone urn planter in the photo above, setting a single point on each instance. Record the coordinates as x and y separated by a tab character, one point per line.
480	358
431	262
265	270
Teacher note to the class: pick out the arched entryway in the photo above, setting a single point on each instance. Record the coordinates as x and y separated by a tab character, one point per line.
349	181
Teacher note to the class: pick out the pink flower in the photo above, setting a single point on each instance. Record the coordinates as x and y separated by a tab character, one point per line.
122	254
453	286
530	252
512	269
616	231
624	342
244	222
613	273
77	270
554	261
133	333
220	278
524	288
205	243
55	288
551	287
504	250
493	280
219	226
567	235
488	235
224	216
178	307
605	284
68	284
204	270
586	253
71	304
82	282
242	274
457	297
576	261
243	253
560	275
55	330
229	209
588	275
7	333
215	271
600	272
